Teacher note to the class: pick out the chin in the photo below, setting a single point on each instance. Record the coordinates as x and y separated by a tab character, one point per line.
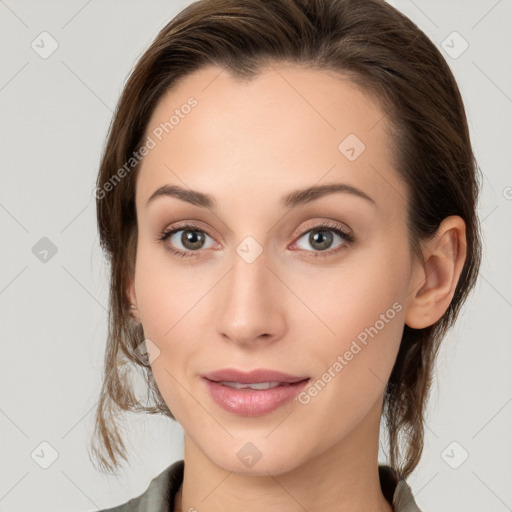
257	458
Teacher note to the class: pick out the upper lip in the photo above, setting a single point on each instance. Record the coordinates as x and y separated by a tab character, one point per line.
253	376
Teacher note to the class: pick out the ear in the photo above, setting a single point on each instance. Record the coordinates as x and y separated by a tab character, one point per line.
444	257
132	298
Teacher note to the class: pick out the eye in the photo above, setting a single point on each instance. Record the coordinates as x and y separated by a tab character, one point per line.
188	240
322	237
185	240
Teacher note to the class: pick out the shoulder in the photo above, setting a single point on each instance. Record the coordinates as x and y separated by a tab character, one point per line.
159	496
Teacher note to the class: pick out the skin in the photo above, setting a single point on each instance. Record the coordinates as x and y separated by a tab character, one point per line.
247	145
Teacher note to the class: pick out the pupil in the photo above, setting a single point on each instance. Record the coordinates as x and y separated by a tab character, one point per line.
321	238
192	239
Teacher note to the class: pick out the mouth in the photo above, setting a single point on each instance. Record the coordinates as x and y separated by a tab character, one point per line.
253	393
258	376
253	385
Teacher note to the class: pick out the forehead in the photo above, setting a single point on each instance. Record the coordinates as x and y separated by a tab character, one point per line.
286	124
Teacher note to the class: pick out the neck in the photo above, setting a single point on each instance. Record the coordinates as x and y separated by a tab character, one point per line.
344	477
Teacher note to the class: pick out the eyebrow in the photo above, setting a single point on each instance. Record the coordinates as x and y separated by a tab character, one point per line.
291	200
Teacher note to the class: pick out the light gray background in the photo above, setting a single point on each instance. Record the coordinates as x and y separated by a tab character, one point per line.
54	117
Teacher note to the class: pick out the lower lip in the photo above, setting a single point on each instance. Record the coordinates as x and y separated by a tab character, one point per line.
253	402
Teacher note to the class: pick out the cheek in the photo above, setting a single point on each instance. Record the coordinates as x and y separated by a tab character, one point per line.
168	305
367	288
170	298
165	291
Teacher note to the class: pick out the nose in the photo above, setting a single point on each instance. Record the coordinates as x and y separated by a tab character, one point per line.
251	303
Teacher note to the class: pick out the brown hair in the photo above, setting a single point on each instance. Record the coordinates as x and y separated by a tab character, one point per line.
380	50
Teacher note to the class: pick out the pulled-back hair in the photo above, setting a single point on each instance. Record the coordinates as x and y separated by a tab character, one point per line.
389	58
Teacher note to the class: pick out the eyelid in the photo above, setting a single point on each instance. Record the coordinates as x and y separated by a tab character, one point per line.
328	224
186	225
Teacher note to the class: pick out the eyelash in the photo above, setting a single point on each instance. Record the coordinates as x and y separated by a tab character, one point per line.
348	238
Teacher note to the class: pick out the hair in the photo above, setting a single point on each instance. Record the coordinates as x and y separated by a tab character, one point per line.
385	54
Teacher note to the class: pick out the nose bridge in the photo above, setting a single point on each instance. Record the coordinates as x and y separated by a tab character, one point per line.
251	305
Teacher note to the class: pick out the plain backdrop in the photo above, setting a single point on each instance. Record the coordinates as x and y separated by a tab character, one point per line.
55	111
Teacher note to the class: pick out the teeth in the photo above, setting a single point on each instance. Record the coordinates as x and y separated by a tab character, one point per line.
255	385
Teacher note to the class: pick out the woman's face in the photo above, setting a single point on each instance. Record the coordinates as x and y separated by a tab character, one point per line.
266	278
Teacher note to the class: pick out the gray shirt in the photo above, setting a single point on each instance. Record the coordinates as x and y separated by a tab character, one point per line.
159	496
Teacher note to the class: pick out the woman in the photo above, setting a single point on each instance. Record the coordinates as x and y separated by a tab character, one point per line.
287	199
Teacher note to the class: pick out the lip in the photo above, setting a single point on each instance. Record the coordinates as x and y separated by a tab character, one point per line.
252	402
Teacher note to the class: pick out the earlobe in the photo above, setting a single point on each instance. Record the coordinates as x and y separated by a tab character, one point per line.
130	291
132	299
438	274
